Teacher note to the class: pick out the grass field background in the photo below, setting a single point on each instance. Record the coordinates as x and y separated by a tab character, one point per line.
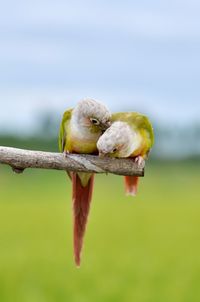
136	249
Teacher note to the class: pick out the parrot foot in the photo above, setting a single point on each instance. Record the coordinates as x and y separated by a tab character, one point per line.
65	153
140	161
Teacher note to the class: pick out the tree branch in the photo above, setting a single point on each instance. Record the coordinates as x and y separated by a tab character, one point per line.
20	159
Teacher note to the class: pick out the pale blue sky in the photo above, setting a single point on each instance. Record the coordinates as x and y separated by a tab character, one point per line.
133	55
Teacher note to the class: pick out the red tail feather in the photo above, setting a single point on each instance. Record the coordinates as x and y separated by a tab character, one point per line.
131	185
81	205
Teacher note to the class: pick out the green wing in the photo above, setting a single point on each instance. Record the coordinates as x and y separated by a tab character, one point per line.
63	129
142	122
136	120
128	117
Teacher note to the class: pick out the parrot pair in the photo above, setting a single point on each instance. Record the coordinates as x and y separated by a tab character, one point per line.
90	128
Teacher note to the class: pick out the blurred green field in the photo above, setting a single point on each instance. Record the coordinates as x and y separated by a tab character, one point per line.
136	249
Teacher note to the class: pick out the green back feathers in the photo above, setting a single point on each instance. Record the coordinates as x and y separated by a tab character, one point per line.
137	121
63	129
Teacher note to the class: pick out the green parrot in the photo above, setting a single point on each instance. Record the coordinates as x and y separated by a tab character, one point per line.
130	135
80	130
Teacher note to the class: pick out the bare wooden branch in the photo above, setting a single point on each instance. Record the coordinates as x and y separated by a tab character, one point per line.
20	159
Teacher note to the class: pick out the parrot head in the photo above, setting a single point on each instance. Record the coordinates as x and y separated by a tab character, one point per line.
92	115
117	141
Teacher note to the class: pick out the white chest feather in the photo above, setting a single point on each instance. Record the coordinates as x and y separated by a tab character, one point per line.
81	132
134	142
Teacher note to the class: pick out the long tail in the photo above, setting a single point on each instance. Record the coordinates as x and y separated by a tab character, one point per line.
82	196
131	185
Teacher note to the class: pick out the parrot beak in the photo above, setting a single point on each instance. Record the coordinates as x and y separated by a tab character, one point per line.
105	126
102	154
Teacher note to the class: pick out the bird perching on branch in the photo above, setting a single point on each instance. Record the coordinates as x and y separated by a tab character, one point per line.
80	130
89	128
130	135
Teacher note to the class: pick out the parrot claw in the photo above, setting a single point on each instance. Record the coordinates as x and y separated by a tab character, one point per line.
65	153
140	161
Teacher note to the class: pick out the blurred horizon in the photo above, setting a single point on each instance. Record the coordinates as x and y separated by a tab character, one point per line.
175	142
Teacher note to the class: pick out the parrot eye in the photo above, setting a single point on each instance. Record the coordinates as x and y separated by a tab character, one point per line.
114	150
94	121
